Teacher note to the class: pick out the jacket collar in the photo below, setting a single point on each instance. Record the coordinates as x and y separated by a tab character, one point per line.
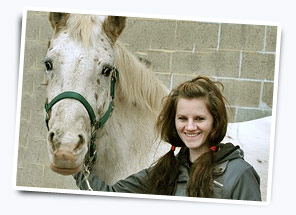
226	153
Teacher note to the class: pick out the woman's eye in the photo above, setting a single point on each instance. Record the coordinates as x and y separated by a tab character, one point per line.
48	65
200	118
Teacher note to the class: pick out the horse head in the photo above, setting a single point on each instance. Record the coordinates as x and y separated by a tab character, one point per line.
79	61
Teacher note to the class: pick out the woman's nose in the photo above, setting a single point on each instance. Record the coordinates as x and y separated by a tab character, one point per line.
191	125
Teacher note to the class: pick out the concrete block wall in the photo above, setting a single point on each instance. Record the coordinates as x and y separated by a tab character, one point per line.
242	57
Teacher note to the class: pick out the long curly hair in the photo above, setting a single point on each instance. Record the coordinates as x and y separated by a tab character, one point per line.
164	173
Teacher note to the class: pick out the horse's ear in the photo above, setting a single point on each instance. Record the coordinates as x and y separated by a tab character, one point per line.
113	26
58	20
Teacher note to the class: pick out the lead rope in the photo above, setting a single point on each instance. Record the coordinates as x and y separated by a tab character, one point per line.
90	158
86	176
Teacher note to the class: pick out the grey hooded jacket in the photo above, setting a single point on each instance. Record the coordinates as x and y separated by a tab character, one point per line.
234	178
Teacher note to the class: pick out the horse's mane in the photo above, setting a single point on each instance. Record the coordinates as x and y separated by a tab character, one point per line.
137	84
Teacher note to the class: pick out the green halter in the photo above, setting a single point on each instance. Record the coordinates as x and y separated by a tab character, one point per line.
95	124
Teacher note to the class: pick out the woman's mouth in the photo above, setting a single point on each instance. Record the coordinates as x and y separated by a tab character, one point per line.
192	134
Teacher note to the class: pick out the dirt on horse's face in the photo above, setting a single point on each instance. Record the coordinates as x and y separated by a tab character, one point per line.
77	58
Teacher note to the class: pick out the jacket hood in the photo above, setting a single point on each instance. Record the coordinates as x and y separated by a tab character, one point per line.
227	152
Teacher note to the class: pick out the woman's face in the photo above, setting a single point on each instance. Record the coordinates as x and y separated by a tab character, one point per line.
193	123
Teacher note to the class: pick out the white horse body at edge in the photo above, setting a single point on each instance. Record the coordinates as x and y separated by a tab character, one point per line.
81	48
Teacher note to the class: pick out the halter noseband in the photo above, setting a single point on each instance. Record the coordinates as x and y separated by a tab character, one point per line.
91	155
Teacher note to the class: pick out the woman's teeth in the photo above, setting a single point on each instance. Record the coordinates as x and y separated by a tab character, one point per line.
191	135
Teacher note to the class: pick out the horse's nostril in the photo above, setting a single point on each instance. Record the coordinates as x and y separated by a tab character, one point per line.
80	143
51	136
51	140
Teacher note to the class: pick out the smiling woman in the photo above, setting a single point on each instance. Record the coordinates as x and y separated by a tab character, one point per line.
193	124
194	118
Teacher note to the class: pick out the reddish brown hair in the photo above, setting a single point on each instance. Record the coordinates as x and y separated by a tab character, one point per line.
164	173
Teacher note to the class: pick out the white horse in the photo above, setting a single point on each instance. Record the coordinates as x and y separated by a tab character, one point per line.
81	58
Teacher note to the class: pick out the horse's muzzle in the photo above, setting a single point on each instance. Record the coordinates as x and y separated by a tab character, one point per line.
65	163
65	171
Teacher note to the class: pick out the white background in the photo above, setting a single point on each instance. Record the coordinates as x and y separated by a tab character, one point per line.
284	171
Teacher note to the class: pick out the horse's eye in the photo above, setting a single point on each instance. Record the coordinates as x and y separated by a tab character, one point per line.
107	70
48	65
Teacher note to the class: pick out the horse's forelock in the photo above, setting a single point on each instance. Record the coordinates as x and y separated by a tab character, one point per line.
84	28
